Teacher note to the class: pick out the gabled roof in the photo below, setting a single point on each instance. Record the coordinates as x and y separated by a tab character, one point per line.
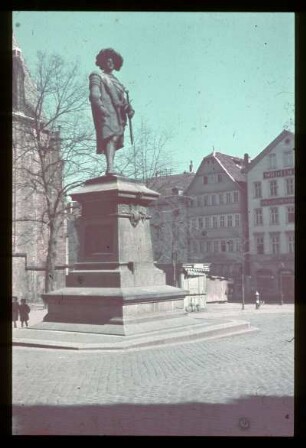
231	165
284	134
165	184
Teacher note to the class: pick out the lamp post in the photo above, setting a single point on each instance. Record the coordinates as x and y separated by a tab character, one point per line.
243	254
242	281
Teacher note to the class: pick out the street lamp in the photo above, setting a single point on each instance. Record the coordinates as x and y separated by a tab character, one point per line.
243	254
242	281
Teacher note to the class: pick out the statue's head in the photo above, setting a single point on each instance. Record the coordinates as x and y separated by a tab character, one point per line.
107	53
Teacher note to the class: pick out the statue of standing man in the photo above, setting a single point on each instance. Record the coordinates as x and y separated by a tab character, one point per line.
110	106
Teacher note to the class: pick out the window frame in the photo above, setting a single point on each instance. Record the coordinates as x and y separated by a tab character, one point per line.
290	191
273	188
257	191
257	244
256	215
290	236
229	220
237	219
272	165
274	216
292	213
275	243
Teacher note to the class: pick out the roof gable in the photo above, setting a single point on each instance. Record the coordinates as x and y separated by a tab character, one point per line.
231	166
284	134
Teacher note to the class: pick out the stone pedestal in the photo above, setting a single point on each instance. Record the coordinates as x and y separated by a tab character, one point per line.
115	283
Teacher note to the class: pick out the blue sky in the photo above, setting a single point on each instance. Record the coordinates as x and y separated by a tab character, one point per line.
222	80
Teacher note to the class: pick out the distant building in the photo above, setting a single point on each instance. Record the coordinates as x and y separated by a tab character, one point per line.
29	243
271	181
169	218
217	216
171	236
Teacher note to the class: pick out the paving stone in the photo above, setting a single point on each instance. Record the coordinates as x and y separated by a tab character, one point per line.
194	388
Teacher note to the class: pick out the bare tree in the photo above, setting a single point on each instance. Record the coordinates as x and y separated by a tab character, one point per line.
170	229
149	156
54	149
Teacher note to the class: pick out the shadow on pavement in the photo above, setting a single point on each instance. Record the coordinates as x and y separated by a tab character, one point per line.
249	416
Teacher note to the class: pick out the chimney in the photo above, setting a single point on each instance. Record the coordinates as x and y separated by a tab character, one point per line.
246	160
191	167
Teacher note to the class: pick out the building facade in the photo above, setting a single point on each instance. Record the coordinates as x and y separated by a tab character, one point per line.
271	208
217	217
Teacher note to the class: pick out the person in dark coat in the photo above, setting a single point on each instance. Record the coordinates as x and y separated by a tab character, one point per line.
15	311
24	310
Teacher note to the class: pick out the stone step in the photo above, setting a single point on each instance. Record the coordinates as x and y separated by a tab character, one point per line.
79	339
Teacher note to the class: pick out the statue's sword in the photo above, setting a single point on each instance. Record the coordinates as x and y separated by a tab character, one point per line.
130	120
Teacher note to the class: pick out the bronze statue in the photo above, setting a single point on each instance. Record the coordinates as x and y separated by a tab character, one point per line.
110	107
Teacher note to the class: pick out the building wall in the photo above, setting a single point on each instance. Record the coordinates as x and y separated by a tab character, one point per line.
270	270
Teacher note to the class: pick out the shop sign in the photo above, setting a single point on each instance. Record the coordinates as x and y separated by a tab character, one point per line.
278	173
277	201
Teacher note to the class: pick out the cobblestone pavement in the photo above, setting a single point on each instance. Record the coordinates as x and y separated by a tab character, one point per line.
240	385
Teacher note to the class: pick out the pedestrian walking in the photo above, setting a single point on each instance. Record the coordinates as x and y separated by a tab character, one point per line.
24	310
15	311
257	300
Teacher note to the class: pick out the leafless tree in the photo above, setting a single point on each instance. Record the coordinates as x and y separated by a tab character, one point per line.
149	156
54	148
170	229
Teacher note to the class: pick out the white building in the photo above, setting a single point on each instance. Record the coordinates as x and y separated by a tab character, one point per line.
270	186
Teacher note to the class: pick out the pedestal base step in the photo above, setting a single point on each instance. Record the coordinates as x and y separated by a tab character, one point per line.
88	337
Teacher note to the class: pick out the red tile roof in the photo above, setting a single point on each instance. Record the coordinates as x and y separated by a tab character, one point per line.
232	165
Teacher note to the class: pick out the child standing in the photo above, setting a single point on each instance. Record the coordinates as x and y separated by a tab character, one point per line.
24	310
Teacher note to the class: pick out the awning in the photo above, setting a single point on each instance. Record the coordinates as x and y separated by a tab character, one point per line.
196	270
